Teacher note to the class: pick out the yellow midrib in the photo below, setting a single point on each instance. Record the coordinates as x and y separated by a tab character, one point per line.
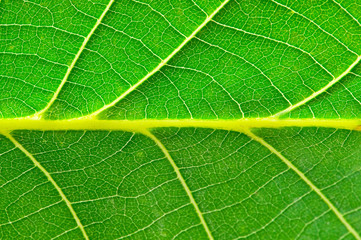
142	125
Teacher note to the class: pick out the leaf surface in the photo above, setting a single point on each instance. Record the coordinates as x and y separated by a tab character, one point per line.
180	119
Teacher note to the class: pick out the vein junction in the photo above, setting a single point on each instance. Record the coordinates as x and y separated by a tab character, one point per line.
142	126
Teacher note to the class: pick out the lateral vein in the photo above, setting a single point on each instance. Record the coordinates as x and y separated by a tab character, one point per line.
50	178
160	65
338	214
70	68
322	90
182	181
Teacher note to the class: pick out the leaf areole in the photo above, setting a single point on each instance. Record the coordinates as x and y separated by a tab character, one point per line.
180	119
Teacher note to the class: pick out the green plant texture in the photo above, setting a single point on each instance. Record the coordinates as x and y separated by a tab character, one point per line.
180	119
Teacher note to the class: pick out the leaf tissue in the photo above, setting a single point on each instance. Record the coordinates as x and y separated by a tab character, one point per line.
187	119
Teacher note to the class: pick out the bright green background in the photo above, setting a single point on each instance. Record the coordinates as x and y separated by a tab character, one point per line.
253	59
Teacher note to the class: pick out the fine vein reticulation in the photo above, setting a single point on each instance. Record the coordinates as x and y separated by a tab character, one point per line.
307	181
175	51
319	92
50	178
160	65
70	68
244	125
183	182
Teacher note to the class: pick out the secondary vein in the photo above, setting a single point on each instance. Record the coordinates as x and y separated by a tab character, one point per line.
160	65
182	181
70	68
338	214
322	90
50	178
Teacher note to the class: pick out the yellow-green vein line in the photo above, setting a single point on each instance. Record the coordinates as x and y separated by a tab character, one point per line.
306	180
70	68
322	90
144	124
50	178
182	181
160	65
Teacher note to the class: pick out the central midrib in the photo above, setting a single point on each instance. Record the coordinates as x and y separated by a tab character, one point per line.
7	125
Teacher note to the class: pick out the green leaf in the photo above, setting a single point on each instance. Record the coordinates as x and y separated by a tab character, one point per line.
180	119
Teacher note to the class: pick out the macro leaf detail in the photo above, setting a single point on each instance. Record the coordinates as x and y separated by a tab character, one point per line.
191	119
